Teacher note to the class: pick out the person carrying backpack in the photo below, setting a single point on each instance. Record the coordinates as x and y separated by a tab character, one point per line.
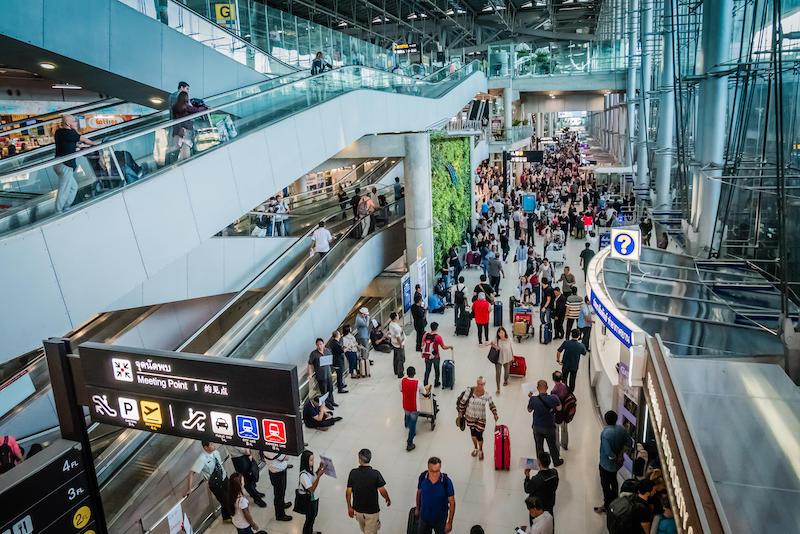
10	453
431	344
630	514
436	502
459	300
567	412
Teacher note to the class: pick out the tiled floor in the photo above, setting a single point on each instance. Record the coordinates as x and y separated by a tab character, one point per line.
373	418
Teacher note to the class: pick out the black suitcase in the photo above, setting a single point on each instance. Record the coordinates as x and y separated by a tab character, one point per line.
498	313
463	324
448	374
413	521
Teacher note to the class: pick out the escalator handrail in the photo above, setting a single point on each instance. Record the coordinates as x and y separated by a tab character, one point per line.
57	115
173	122
300	242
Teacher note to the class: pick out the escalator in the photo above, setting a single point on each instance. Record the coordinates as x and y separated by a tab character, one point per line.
112	326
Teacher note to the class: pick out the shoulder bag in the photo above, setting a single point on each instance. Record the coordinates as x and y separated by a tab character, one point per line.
494	355
461	419
302	501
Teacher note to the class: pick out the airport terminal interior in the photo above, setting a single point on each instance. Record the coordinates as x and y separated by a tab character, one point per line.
423	266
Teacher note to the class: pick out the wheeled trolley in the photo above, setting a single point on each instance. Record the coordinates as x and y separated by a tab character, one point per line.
428	408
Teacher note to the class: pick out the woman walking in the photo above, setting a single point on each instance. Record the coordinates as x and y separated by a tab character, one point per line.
505	355
471	407
309	480
238	506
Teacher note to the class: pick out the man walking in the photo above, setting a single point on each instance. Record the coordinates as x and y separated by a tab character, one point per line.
561	391
573	307
495	269
569	356
322	240
548	300
398	339
586	256
209	465
436	501
613	440
543	407
559	313
363	485
319	370
411	389
277	464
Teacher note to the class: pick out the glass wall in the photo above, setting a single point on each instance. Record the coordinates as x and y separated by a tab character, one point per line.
293	40
566	57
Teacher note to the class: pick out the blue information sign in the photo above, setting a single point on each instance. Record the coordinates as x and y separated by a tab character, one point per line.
620	331
406	290
529	203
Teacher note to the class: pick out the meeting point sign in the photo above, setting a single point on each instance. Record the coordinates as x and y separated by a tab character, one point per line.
231	401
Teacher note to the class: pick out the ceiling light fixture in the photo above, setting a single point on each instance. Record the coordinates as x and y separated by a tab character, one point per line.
342	24
66	86
526	5
47	66
449	12
552	96
412	16
156	100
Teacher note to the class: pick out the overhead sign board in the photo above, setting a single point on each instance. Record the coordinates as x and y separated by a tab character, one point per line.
48	494
525	156
404	48
230	401
626	244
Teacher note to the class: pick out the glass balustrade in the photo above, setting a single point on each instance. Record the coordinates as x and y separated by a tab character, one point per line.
198	27
573	57
130	157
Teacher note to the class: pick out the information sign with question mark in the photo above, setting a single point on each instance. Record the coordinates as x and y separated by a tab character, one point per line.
626	244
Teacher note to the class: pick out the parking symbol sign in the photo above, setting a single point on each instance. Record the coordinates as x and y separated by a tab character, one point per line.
247	427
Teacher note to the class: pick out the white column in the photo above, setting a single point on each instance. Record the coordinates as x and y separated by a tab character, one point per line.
630	93
508	108
645	29
419	208
712	109
666	114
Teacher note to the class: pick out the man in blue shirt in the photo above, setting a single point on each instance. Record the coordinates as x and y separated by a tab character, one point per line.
436	501
543	407
613	440
569	356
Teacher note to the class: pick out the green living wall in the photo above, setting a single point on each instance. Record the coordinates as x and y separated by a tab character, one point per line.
451	172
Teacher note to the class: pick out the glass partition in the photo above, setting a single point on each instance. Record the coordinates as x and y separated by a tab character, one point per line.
130	158
567	57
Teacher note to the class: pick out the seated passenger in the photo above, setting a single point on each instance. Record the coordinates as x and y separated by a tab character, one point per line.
379	341
441	289
435	304
316	416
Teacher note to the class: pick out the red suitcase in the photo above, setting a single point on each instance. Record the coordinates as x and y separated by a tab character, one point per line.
502	448
518	367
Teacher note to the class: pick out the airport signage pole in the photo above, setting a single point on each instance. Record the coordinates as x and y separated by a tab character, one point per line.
72	422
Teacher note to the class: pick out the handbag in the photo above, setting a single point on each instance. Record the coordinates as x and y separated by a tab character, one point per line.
494	355
461	420
302	501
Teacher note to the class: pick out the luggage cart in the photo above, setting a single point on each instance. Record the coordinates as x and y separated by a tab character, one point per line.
428	408
555	254
522	327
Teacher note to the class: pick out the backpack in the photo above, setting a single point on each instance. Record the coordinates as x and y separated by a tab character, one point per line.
620	514
7	457
427	345
459	297
568	407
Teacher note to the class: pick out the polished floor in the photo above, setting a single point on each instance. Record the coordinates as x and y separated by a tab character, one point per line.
373	418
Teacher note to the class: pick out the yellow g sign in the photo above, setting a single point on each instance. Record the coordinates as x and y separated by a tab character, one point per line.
81	517
225	13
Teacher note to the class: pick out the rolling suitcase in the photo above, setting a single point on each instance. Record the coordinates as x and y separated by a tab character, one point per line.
498	313
518	367
413	521
463	324
545	334
448	374
502	448
363	367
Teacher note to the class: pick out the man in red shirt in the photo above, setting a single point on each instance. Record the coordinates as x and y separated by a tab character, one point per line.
411	389
480	310
431	343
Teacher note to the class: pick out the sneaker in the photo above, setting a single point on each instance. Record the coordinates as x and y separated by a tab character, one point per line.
558	462
343	391
410	447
